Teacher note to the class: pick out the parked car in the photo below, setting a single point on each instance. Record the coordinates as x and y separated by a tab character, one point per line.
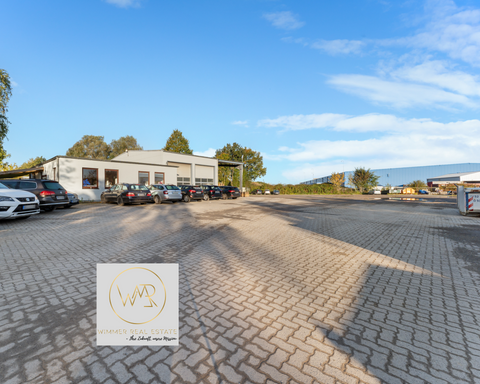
72	199
17	204
267	192
451	192
257	192
125	193
275	192
211	192
423	192
232	192
191	192
50	193
163	193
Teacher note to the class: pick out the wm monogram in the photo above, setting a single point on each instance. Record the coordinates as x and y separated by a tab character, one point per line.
139	293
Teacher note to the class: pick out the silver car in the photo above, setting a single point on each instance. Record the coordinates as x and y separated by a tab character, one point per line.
163	193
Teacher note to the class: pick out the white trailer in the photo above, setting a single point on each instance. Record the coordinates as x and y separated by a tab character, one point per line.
468	200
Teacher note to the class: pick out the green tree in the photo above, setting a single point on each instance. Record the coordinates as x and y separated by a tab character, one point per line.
177	143
91	147
363	179
117	147
32	162
337	179
252	162
417	184
4	166
5	94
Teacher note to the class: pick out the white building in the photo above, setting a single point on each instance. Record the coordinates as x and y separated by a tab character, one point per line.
88	178
455	178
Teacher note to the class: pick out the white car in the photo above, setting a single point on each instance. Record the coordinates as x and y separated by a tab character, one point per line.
17	204
267	192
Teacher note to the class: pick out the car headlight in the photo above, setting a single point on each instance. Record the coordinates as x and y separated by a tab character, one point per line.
6	198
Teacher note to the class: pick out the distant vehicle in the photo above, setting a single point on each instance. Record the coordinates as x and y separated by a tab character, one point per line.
451	192
374	192
423	192
72	199
275	192
17	204
258	192
162	192
50	193
192	192
211	192
267	192
232	192
125	193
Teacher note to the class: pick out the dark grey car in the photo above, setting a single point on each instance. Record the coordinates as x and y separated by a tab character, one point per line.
49	193
125	193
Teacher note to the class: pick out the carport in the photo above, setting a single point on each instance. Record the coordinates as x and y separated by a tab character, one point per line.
32	173
233	164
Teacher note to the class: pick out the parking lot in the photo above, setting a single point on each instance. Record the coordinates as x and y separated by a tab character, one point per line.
273	289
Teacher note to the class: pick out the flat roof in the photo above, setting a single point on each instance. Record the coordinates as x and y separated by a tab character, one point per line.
20	172
109	161
453	175
230	162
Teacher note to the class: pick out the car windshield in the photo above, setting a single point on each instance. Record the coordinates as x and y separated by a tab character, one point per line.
3	186
172	187
155	187
138	187
52	185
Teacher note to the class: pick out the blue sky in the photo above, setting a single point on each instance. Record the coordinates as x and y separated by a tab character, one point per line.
315	86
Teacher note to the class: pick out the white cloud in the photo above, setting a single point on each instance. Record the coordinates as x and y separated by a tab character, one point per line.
372	122
13	83
402	142
124	3
240	122
392	151
398	94
284	20
438	74
335	47
210	152
300	122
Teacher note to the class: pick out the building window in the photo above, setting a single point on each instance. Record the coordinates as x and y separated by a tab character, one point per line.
90	178
143	178
199	181
111	177
183	181
159	178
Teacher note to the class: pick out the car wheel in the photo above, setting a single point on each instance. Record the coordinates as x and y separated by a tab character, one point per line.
233	197
157	199
103	200
206	197
186	199
120	201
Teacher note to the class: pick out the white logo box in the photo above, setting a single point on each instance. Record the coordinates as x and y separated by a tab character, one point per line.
137	304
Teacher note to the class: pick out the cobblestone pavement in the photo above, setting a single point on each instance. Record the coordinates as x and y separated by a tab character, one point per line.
272	290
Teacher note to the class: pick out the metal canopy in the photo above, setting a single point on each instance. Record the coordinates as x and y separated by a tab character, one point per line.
233	164
20	172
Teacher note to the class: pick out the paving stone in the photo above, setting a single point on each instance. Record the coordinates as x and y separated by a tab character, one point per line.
281	289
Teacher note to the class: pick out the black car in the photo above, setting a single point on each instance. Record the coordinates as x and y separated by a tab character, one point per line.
73	199
211	192
191	192
232	192
49	193
125	193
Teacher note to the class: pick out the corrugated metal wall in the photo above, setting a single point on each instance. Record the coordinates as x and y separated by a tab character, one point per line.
400	176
